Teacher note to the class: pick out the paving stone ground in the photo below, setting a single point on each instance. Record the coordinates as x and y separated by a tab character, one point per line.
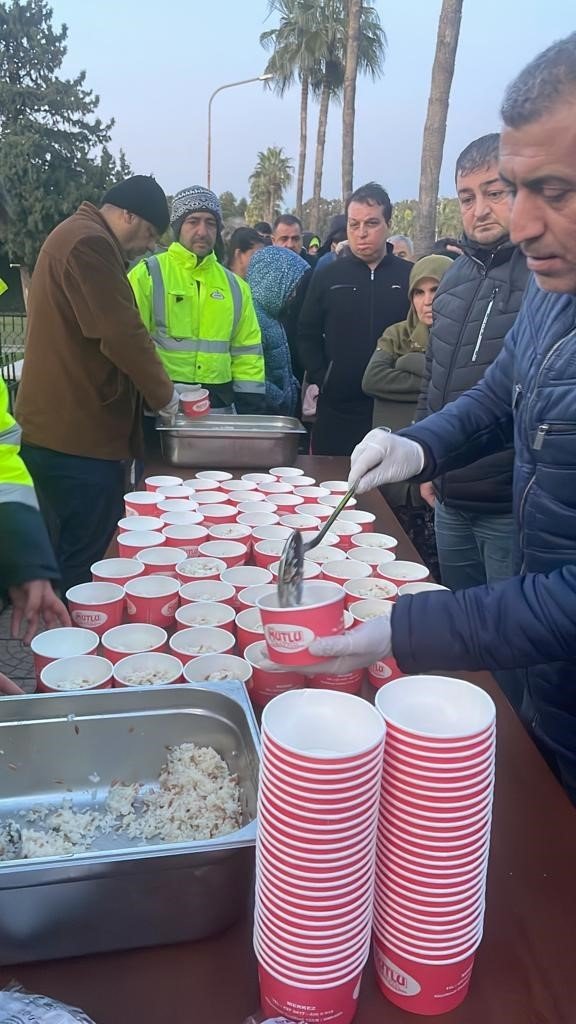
15	659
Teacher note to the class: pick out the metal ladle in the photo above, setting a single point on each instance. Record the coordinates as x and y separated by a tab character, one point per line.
291	568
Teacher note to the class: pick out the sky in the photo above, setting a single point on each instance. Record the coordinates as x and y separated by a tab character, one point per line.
154	66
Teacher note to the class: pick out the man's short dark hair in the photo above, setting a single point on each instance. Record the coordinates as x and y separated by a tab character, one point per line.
545	80
483	152
287	218
374	195
263	227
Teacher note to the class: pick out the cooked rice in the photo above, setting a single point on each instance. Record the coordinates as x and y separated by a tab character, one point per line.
196	798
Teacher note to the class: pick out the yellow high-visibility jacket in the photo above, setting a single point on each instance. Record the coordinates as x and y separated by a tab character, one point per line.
25	548
203	322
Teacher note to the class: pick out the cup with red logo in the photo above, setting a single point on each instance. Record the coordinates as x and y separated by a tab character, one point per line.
259	478
218	475
249	628
195	403
324	553
256	504
141	503
129	544
257	520
82	672
363	519
149	668
170	505
374	557
180	492
218	513
187	538
267	551
206	591
201	567
310	570
132	638
400	572
198	640
295	521
96	606
335	499
152	599
275	487
214	497
231	531
288	503
161	561
292	473
345	533
371	588
184	518
249	596
152	483
63	642
116	570
205	613
243	576
232	552
214	668
272	532
375	540
312	493
196	485
290	631
129	524
268	681
342	570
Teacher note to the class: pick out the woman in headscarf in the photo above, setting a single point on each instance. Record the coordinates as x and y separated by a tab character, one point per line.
393	378
273	276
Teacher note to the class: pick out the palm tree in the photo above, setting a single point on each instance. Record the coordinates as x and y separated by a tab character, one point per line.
435	126
270	178
349	94
328	83
295	42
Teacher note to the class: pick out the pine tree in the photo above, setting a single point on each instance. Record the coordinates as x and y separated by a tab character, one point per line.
53	149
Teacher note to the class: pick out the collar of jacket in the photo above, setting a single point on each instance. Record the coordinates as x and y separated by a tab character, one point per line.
93	213
189	260
384	262
493	257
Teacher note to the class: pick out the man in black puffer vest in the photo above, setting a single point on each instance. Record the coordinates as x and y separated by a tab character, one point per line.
475	306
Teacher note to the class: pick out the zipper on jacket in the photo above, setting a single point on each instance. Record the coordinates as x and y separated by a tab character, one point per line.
540	436
521	520
516	395
483	325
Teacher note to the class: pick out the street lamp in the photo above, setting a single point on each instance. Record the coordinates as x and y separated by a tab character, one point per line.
230	85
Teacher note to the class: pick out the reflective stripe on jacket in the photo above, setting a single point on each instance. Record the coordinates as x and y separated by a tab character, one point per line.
15	480
202	320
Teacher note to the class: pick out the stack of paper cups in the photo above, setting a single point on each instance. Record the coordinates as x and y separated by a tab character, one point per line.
433	839
317	817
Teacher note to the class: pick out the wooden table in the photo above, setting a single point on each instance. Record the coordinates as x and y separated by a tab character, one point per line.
525	968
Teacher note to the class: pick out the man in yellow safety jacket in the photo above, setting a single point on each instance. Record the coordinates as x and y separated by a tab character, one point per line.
198	312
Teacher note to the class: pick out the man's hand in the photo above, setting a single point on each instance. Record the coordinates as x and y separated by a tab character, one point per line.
384	458
357	648
428	493
173	405
35	602
7	687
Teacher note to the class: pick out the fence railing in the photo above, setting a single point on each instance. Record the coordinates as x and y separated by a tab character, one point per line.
12	335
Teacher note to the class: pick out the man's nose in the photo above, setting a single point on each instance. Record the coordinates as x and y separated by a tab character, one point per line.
526	220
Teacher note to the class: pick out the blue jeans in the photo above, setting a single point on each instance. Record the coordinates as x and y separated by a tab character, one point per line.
474	549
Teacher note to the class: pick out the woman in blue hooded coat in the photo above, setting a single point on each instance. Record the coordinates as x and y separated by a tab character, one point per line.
273	276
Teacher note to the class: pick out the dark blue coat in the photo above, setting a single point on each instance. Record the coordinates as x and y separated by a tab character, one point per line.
527	623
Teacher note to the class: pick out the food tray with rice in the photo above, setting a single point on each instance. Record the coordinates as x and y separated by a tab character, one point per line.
232	441
132	815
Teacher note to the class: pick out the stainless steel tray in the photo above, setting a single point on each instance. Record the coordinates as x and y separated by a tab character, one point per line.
221	440
123	894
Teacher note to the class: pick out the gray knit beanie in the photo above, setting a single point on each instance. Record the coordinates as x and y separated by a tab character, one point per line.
192	200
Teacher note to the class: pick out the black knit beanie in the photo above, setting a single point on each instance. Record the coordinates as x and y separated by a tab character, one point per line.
143	196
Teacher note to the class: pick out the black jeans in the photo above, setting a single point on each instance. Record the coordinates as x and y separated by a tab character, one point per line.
81	500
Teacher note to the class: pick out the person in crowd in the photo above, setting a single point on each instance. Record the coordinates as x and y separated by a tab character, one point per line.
273	276
526	625
311	243
393	378
348	305
88	360
27	562
336	234
199	313
287	234
474	308
402	246
447	246
264	229
242	245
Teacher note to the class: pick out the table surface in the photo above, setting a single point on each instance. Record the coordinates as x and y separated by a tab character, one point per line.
525	967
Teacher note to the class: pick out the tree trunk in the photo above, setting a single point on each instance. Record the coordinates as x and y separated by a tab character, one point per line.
435	126
303	144
25	277
272	204
349	100
320	144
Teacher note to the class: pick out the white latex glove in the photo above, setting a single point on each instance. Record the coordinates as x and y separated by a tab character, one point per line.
356	648
384	458
183	389
173	405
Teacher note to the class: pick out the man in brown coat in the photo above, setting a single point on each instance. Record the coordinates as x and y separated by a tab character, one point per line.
89	362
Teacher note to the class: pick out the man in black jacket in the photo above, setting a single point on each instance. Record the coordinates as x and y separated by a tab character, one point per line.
348	305
475	306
